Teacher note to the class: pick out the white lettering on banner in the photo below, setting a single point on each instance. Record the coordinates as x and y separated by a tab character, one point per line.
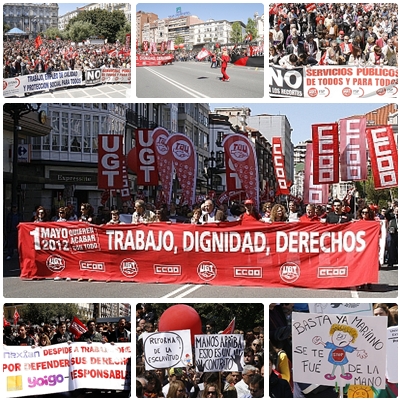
353	150
326	154
146	155
169	270
280	76
110	161
94	266
385	161
314	242
234	174
248	272
279	166
327	272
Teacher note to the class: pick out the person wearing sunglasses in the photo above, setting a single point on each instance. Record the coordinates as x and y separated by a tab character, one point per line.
211	391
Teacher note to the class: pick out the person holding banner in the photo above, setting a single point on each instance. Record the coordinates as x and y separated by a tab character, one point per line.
141	215
23	338
62	336
91	335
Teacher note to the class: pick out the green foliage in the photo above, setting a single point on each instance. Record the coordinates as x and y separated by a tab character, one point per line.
80	31
122	32
106	24
247	315
52	33
6	28
236	33
179	40
47	313
379	197
251	27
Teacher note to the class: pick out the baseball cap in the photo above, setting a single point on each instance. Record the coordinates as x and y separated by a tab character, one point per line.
248	202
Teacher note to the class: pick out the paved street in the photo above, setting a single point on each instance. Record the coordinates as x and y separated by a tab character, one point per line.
13	288
112	91
197	80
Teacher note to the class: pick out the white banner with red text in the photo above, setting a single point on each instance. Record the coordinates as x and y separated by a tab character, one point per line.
334	82
65	367
270	255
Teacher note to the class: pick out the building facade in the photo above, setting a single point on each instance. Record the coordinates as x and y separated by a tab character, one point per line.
31	18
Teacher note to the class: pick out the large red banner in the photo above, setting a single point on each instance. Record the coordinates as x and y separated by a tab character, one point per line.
279	167
317	194
110	162
353	163
146	161
310	255
383	156
325	153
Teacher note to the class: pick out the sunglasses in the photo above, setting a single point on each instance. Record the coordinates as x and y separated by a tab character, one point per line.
365	212
211	393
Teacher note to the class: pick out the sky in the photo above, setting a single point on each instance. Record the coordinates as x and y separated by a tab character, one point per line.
218	11
66	6
302	116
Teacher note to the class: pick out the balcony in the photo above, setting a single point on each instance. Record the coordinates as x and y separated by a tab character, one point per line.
138	121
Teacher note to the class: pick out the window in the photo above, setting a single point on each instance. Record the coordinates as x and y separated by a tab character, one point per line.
87	134
64	132
55	123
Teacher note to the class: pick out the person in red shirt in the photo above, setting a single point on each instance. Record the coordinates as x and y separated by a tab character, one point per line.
251	214
225	58
310	215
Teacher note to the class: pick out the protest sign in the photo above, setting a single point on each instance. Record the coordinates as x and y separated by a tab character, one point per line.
365	309
342	349
276	255
392	354
219	352
58	368
167	349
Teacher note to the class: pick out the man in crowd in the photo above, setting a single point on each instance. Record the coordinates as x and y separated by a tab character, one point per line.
141	215
120	334
91	335
242	386
211	214
23	338
62	336
337	216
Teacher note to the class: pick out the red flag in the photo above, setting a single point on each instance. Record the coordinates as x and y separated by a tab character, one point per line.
230	328
383	156
310	7
279	166
77	327
315	194
16	316
110	162
325	153
240	152
145	157
38	42
5	322
353	163
203	53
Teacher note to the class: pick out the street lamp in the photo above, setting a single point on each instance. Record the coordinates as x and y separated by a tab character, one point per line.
17	111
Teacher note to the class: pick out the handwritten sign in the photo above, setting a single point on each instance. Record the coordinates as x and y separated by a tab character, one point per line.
392	354
342	349
350	308
167	349
219	352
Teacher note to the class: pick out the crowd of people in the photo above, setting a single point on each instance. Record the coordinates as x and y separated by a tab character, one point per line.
334	34
281	383
336	212
23	57
187	382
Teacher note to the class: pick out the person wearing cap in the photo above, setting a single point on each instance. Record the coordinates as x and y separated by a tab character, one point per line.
251	214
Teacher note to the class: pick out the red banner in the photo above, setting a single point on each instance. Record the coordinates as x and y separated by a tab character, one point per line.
310	7
325	153
241	154
110	162
269	255
77	327
143	60
16	316
146	161
313	193
164	162
353	163
279	166
383	156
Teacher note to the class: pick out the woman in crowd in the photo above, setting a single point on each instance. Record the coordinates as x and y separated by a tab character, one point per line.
177	390
278	214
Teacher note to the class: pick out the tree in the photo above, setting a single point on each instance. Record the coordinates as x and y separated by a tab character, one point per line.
251	27
121	34
53	33
236	33
80	31
247	315
107	24
178	40
6	28
47	313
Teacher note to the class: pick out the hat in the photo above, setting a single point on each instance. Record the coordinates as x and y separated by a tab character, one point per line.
341	33
248	202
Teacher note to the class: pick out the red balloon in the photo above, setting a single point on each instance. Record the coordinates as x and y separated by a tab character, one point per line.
181	317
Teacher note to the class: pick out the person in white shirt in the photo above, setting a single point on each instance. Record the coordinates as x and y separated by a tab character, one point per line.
242	386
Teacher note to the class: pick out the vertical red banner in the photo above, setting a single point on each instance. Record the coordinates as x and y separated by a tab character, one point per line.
313	193
325	153
383	156
146	160
241	158
353	163
186	165
110	162
279	166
